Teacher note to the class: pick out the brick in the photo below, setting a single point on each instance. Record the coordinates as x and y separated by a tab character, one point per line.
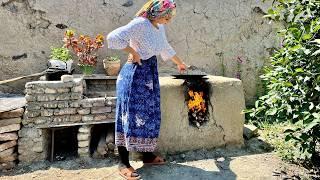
12	114
10	128
33	106
75	118
83	151
59	84
83	137
50	91
63	90
111	101
65	111
63	104
46	97
7	145
111	115
76	96
87	118
67	78
35	91
84	129
100	117
50	105
83	144
85	103
84	111
63	97
30	98
47	112
8	136
32	114
77	89
100	110
59	119
74	104
5	122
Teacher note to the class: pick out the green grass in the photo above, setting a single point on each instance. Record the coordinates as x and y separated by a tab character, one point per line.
273	134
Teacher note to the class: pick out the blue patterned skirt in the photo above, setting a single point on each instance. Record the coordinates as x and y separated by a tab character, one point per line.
138	113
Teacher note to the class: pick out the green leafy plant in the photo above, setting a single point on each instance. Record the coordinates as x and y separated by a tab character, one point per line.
293	77
60	53
113	58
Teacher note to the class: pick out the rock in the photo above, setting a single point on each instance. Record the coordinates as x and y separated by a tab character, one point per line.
84	111
6	152
87	118
7	165
8	136
100	110
99	117
221	159
83	144
50	91
5	122
67	78
7	145
12	114
249	131
84	129
10	128
75	118
83	137
10	158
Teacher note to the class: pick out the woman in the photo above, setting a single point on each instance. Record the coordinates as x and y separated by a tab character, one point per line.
138	91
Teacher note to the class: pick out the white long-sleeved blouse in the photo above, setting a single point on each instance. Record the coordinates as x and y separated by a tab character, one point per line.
143	37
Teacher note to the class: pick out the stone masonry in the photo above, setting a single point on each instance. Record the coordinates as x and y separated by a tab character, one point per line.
10	124
53	104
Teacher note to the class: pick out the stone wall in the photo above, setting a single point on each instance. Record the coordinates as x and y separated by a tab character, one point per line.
10	124
52	104
227	38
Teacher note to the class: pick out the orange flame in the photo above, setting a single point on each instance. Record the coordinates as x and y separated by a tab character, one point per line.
196	102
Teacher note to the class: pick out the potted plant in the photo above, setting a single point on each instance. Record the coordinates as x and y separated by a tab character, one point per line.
85	48
60	63
62	54
112	65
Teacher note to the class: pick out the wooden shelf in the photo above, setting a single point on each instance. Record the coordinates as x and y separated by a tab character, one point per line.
96	76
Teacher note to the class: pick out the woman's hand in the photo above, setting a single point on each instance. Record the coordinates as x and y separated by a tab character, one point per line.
135	58
181	67
180	64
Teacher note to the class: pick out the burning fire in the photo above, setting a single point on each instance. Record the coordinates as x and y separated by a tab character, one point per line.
196	102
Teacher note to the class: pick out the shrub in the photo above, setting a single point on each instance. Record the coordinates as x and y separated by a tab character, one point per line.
293	78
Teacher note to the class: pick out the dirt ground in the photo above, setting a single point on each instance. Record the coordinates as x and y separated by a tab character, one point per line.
249	162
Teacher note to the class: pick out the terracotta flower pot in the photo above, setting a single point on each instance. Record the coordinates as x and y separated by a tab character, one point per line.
112	68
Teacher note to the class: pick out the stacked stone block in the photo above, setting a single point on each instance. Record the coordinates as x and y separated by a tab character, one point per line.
84	140
59	103
9	126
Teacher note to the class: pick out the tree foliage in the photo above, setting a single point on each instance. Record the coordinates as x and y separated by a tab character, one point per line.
293	77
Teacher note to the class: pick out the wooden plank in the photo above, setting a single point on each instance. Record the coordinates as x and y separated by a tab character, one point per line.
95	76
76	124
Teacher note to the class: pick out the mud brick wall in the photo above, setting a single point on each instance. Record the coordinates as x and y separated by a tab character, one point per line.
59	103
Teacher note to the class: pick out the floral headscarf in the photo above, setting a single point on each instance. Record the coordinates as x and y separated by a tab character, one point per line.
157	9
